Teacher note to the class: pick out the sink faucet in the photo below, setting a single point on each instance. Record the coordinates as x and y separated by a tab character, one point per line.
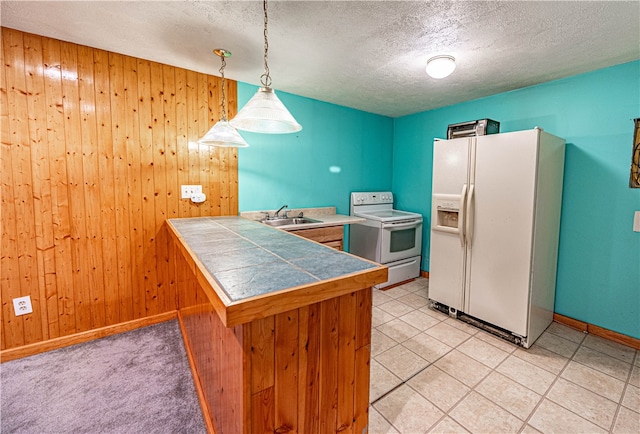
276	215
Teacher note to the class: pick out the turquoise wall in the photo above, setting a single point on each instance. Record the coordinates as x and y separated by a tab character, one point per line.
339	150
599	255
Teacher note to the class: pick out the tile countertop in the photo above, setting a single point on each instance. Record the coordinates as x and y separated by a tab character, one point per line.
250	270
326	216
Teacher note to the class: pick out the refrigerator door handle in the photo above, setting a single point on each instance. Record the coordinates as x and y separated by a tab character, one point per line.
469	211
461	218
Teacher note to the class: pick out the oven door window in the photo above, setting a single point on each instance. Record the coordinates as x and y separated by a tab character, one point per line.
401	240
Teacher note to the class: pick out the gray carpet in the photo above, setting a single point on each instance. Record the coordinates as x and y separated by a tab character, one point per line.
133	382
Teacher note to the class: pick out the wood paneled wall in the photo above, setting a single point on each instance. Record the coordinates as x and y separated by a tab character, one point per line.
95	146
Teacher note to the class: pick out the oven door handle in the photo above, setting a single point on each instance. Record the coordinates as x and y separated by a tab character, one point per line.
393	226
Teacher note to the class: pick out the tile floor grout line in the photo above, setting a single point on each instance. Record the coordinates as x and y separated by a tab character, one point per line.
405	382
471	389
559	376
402	382
524	421
555	380
624	392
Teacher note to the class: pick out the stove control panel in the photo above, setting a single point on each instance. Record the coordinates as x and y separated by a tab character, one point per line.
372	198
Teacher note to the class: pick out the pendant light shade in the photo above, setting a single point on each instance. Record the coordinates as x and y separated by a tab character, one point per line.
265	113
222	134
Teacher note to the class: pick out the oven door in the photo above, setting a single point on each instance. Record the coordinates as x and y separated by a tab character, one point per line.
400	239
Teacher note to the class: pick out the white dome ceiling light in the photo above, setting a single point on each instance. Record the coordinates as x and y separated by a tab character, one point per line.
441	66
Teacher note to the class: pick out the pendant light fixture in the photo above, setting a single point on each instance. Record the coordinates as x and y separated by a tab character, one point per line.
265	113
222	133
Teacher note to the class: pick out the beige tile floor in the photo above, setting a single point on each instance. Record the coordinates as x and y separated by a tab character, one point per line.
434	374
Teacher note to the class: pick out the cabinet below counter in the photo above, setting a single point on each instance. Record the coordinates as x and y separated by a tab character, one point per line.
331	236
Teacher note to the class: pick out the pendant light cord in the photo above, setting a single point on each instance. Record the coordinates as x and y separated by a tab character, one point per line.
265	79
224	94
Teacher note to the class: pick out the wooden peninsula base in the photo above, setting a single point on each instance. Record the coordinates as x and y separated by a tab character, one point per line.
304	369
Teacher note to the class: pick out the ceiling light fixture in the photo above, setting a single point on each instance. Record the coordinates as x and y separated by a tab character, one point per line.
223	134
441	66
265	113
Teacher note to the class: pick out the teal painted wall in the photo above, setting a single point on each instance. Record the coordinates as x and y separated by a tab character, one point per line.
339	150
599	255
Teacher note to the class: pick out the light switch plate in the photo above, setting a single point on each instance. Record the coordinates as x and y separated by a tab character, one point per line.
636	222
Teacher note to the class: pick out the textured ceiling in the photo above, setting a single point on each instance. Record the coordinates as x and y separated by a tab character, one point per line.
368	55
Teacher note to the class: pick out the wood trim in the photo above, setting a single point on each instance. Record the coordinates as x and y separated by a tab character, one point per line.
86	336
424	274
206	411
386	288
598	331
614	336
573	323
293	298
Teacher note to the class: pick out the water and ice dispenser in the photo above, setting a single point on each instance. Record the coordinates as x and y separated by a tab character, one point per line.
447	213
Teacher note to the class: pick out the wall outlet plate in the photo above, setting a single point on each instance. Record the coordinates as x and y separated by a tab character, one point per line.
22	305
188	191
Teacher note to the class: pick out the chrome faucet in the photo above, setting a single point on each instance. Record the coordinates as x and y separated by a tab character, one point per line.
276	215
266	215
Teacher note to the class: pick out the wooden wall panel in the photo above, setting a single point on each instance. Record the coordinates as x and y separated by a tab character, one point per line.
107	187
23	219
328	410
286	371
60	299
95	146
8	264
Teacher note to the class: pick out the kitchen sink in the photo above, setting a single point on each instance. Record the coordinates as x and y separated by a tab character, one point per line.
289	221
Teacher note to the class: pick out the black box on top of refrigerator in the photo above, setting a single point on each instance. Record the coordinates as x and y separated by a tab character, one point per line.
480	127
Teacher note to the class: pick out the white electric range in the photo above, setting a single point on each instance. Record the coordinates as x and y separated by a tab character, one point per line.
387	236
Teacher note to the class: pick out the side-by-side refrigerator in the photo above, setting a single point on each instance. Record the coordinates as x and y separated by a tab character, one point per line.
494	230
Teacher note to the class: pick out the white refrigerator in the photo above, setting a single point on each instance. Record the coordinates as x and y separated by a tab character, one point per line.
494	230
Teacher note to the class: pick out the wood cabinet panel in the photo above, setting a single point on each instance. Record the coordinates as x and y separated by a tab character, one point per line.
332	236
95	146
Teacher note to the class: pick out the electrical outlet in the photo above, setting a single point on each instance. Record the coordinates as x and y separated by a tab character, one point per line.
187	191
22	305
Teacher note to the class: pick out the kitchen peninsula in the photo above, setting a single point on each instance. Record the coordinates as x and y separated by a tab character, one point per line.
277	327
